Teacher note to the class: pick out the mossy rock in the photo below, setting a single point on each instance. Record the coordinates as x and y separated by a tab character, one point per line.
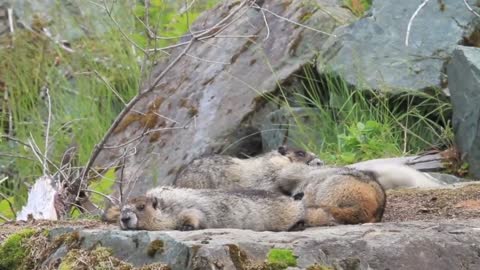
15	249
281	258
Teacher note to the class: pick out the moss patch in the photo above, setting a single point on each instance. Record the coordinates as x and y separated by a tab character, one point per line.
238	257
319	267
281	258
15	249
156	246
101	258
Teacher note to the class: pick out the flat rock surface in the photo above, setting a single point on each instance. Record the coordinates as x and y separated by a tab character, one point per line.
422	229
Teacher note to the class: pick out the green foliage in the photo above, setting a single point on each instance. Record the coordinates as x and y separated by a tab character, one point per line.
365	141
14	249
281	258
358	7
103	185
165	21
345	125
82	101
5	209
87	87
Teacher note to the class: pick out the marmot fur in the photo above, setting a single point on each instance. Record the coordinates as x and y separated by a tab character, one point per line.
229	173
168	208
346	195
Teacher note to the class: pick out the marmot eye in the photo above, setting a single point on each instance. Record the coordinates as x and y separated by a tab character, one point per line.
140	207
300	153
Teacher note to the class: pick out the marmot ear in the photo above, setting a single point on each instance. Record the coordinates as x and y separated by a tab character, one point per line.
154	202
282	150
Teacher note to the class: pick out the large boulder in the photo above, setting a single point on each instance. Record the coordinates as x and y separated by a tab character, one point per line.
464	85
372	52
214	99
406	245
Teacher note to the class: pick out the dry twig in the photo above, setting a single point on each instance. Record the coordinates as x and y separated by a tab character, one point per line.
411	20
470	8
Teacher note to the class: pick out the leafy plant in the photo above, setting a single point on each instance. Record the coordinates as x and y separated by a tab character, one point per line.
365	141
345	125
358	7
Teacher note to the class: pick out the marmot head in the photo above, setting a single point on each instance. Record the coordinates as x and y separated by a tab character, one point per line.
143	213
300	156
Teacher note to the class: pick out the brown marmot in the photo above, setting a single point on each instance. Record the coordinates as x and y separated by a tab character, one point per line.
229	173
168	208
346	195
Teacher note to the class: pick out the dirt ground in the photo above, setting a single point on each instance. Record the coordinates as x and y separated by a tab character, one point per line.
436	204
402	205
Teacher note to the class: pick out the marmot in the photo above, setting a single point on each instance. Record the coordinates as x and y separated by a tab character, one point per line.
226	172
393	176
168	208
345	195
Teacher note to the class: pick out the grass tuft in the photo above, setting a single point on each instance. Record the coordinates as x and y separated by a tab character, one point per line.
345	125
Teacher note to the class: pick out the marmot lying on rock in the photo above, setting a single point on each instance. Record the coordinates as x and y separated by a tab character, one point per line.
168	208
347	196
226	172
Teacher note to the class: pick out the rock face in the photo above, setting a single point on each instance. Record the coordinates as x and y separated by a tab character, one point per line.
211	100
67	19
409	245
463	82
372	52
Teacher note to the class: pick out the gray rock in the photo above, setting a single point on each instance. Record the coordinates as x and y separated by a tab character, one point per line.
280	126
464	85
67	19
407	245
217	107
448	178
372	52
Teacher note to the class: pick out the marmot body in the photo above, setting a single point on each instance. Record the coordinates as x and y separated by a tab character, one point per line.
230	173
346	195
167	208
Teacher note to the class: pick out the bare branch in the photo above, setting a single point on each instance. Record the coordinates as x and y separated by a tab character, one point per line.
5	218
109	13
141	136
293	22
10	204
47	131
8	137
17	156
111	199
411	20
470	8
10	19
127	108
266	25
110	87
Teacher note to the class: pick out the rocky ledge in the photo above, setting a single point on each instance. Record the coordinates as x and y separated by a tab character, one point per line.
452	244
422	229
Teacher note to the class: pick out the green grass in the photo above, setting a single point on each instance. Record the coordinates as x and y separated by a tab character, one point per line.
14	249
345	125
87	88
